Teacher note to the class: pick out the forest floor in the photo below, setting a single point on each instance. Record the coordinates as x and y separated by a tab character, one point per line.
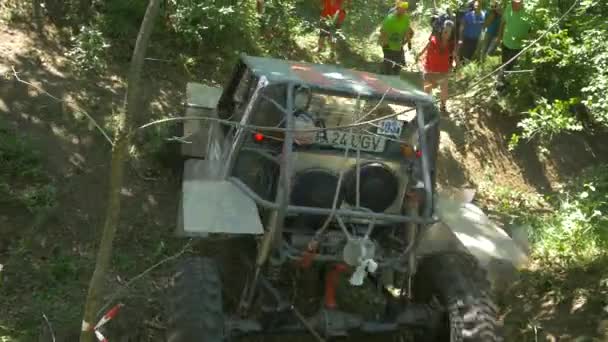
51	214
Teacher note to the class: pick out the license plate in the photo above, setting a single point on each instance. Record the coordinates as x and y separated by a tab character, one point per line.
390	127
343	140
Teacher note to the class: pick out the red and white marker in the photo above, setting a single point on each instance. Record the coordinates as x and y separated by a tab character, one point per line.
108	316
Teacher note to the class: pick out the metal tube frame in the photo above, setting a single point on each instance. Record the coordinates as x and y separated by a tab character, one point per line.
280	208
281	205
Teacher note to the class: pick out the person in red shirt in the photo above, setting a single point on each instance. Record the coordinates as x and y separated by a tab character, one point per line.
440	56
332	17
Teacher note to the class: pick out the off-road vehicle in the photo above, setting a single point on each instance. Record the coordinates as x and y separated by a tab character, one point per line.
328	175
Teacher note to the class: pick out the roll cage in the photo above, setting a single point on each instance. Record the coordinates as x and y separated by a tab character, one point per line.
242	96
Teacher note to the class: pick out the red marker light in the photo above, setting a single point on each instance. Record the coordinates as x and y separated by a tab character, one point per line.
418	154
258	137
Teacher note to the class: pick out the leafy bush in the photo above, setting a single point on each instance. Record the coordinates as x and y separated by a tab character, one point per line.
89	50
120	19
12	10
546	120
217	23
569	70
567	227
577	230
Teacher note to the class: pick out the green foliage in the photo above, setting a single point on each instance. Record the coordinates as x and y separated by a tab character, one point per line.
89	50
570	69
566	228
22	179
120	19
12	10
515	206
213	22
17	157
576	231
546	120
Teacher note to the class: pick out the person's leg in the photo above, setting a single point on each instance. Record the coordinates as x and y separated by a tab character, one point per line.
387	64
476	46
428	86
430	82
334	38
490	45
323	34
390	60
507	55
399	58
508	60
444	88
483	46
468	49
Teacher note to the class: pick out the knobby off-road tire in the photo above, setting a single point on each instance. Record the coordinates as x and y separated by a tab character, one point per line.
195	302
458	282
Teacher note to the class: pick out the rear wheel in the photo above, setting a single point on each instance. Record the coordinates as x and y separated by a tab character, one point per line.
195	303
455	282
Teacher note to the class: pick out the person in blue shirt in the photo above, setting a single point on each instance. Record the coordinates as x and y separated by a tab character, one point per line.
470	31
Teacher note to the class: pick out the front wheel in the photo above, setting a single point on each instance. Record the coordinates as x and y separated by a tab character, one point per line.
457	283
195	303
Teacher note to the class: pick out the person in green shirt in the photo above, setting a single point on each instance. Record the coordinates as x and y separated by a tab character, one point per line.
395	31
514	29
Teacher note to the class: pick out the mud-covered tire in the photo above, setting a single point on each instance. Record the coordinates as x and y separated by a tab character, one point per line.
195	302
459	284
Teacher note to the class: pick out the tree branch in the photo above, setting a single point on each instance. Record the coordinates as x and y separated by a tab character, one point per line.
58	100
49	325
125	287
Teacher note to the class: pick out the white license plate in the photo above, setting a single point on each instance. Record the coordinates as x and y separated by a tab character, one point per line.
390	127
342	139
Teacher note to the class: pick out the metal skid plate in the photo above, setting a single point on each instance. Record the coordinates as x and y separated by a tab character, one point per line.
201	101
209	205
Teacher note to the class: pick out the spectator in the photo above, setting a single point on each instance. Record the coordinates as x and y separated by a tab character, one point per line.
514	29
470	31
439	61
492	26
395	32
332	17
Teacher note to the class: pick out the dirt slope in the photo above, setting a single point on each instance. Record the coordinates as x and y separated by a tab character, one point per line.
52	254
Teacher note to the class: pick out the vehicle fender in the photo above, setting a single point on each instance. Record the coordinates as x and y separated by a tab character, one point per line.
464	227
201	101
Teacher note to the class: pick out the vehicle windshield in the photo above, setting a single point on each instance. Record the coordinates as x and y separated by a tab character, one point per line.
314	110
317	110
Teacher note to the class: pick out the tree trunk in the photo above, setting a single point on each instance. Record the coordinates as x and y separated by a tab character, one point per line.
36	13
85	10
119	155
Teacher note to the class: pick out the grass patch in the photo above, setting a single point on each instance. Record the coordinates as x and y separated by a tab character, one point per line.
568	228
564	292
552	303
577	231
23	182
